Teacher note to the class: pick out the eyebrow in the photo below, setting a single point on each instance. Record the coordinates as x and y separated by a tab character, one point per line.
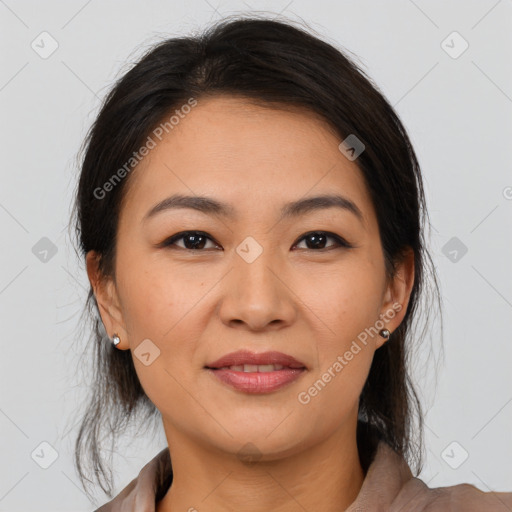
211	206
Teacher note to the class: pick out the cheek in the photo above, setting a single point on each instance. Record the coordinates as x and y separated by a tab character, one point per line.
344	349
158	306
346	303
155	297
345	300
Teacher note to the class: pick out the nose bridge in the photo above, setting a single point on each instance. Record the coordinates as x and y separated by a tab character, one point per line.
255	268
255	293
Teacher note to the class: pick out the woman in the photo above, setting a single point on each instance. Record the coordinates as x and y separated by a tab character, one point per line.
251	212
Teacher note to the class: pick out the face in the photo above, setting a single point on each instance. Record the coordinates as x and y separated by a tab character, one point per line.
307	282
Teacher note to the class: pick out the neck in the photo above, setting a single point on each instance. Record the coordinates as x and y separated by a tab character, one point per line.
327	476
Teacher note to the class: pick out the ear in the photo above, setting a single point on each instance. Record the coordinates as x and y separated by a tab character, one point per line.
107	299
397	294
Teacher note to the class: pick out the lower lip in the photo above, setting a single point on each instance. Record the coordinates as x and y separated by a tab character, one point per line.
258	382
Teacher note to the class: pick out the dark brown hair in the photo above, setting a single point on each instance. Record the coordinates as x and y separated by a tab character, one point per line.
278	65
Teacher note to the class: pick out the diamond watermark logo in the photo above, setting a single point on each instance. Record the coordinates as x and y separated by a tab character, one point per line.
146	352
249	453
454	249
45	45
454	45
351	147
44	455
249	249
454	455
44	250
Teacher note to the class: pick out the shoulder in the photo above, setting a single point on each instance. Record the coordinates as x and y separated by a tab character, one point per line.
144	491
390	485
416	495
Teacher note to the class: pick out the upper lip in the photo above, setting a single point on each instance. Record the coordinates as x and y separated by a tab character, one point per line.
241	357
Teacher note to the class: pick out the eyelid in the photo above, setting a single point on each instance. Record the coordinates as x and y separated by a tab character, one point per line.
170	241
340	241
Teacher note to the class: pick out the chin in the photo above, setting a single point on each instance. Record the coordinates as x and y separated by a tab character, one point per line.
264	439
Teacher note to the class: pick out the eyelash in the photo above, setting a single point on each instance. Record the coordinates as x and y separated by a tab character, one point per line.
341	243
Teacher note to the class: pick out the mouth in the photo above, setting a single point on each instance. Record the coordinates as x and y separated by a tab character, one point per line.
260	368
246	361
250	372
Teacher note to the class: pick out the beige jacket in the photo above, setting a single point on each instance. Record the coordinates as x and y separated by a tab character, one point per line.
388	487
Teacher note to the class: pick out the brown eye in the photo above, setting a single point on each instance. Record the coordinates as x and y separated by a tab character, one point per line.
317	240
197	241
192	240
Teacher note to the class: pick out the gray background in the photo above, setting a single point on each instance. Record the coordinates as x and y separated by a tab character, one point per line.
457	109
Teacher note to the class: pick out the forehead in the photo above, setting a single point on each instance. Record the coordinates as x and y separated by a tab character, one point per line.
250	156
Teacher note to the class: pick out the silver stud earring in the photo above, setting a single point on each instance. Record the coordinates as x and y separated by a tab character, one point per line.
115	340
385	333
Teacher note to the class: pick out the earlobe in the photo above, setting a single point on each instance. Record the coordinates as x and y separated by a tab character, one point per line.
106	298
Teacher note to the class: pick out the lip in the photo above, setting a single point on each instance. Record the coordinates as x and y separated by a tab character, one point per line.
256	382
247	357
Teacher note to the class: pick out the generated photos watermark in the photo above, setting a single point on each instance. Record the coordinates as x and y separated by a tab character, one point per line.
158	133
304	397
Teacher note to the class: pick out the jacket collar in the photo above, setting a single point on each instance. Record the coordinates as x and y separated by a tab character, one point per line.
388	485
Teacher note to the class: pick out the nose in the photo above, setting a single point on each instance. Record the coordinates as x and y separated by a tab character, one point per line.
256	296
